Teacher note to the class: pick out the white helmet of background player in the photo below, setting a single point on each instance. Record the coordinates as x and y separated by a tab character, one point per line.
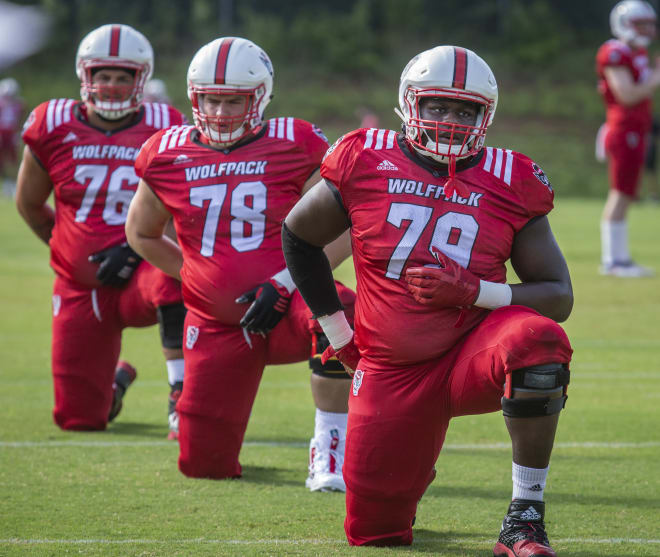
114	46
230	66
454	73
625	17
9	87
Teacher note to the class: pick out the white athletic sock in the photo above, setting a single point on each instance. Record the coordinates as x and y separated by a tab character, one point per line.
614	241
174	371
325	421
528	483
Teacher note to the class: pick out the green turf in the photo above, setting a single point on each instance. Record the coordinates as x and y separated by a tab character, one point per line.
119	492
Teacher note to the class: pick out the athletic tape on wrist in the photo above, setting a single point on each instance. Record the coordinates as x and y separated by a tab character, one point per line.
336	328
493	295
284	278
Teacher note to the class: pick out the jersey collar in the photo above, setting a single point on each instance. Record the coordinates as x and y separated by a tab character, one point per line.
197	139
81	116
436	169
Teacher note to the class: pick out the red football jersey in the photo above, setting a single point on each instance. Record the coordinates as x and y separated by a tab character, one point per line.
93	177
398	212
616	53
228	206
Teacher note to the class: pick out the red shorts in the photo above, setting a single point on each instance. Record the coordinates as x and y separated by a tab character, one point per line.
87	328
223	368
398	418
626	150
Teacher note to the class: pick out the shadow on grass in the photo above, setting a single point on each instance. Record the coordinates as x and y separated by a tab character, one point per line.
449	543
269	475
503	495
157	431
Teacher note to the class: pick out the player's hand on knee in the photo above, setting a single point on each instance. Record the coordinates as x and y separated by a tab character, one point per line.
445	286
116	264
348	355
270	301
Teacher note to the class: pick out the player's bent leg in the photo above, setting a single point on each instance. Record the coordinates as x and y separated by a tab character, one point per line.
330	388
209	447
85	348
383	487
223	368
170	323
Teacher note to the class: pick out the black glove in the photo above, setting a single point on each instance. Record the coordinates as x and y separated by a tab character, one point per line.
116	264
270	301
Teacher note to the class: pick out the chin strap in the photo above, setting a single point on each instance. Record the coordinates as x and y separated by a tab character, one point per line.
453	184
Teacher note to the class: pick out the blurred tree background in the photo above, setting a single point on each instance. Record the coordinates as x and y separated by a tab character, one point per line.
336	61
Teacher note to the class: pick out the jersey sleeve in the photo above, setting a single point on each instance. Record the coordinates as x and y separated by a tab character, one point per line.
532	186
313	141
177	118
612	54
36	132
339	161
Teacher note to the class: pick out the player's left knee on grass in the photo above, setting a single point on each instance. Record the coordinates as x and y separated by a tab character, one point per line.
333	368
170	324
538	390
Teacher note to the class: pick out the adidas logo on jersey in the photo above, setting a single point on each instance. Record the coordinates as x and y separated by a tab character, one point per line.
530	514
386	165
70	137
181	158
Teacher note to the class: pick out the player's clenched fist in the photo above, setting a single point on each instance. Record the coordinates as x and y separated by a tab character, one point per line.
116	264
270	302
447	286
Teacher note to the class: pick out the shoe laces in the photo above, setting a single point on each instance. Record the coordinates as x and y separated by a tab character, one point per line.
515	530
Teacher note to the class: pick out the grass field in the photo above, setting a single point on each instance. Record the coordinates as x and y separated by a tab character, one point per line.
119	493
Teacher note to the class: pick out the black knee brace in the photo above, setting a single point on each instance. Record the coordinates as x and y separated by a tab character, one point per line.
542	379
170	323
333	368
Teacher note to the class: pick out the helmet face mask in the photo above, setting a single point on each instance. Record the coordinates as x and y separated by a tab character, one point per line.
229	67
114	47
441	139
455	75
633	22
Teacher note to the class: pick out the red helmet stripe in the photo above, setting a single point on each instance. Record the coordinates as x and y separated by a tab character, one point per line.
460	68
114	40
221	62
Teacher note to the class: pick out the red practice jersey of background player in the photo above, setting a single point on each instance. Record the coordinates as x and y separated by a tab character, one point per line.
93	177
401	212
615	53
229	204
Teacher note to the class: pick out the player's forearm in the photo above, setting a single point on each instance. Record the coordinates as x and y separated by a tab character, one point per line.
160	252
40	218
554	299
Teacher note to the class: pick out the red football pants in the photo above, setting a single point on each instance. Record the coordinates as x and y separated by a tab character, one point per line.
626	150
223	368
87	328
398	417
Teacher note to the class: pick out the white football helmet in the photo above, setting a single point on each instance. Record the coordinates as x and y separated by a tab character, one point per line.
9	87
114	46
230	66
449	72
155	91
624	18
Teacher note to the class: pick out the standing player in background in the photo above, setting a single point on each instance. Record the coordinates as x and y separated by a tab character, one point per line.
626	83
228	183
83	153
434	216
11	115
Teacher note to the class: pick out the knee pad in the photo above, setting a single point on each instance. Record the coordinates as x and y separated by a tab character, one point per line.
543	380
170	324
333	368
